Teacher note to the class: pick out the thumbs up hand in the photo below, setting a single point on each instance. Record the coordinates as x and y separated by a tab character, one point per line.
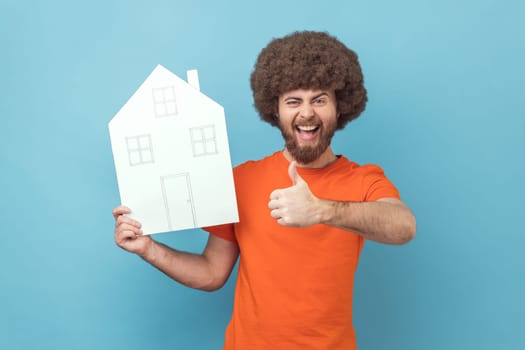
294	206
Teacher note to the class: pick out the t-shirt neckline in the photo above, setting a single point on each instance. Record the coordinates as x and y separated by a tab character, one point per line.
313	171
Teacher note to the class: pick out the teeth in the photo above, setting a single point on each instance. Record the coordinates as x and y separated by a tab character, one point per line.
306	127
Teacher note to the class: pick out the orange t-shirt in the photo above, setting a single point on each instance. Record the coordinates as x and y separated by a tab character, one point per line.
294	286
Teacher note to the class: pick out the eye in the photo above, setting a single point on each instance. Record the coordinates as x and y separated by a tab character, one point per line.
319	101
292	102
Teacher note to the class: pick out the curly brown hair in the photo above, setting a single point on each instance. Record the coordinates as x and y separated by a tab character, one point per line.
308	60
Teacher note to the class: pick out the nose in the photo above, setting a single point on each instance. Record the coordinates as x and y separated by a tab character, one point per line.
306	111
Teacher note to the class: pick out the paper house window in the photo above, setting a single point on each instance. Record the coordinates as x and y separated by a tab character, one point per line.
203	140
139	150
164	101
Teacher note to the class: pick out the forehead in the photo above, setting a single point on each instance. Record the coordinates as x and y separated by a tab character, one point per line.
306	93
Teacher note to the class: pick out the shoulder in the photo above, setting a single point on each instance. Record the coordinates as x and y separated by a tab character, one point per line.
249	167
370	178
373	182
266	172
348	167
370	170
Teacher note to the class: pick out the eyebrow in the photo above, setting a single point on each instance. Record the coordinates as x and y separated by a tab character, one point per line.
321	94
313	98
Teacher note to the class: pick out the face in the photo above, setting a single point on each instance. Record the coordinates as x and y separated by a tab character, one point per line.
308	120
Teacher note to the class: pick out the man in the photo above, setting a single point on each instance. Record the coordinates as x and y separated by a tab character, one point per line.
304	212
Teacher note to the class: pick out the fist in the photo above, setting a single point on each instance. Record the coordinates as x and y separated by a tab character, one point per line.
128	233
294	206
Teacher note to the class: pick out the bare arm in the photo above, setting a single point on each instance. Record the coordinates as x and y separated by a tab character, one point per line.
207	271
387	220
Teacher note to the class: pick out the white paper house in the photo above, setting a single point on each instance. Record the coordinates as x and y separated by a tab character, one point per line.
171	154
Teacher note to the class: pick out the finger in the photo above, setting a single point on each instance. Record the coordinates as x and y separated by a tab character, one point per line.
125	242
127	220
275	194
282	222
273	204
276	214
120	210
292	172
285	221
124	235
130	228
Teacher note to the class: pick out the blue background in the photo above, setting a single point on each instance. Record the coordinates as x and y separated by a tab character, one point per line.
445	120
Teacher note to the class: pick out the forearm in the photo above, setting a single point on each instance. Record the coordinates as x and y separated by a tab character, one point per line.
192	270
379	221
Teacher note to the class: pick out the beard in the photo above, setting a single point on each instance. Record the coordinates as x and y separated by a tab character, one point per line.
306	154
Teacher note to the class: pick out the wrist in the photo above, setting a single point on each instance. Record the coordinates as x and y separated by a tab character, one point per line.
149	252
326	211
333	212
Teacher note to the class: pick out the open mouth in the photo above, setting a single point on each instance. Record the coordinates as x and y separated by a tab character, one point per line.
307	132
307	128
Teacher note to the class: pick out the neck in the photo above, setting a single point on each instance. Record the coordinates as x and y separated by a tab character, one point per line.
325	159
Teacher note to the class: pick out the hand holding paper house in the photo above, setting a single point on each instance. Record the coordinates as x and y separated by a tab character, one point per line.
172	157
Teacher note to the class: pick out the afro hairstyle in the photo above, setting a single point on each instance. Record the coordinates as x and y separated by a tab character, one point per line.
308	60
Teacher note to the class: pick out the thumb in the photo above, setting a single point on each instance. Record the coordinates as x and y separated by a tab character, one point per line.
294	175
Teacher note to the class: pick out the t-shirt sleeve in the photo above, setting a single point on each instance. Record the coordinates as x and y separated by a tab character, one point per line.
225	231
376	185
